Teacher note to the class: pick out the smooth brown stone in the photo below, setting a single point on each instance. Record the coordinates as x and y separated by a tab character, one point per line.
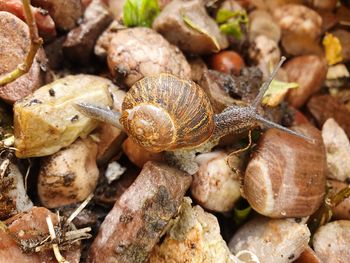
286	176
309	71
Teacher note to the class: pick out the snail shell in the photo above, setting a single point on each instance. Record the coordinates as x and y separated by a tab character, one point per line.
164	112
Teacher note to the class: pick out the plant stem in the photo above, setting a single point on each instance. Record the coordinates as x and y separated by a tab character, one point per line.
324	214
35	44
340	196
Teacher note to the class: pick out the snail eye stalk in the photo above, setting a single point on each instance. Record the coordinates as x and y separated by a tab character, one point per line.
99	113
257	101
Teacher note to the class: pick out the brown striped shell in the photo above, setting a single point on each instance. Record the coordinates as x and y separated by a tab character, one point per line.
163	112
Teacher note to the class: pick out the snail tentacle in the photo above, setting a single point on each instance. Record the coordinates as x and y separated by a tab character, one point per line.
236	119
257	101
271	124
99	113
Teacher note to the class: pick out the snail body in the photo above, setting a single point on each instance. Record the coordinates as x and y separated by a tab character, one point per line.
153	113
165	113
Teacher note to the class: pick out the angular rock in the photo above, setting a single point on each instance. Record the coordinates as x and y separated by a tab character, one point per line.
80	41
194	237
46	121
213	83
264	52
140	216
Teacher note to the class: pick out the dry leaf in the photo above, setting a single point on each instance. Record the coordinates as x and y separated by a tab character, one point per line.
277	91
333	49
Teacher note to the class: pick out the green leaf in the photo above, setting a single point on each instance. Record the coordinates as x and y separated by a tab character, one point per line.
223	15
129	13
240	215
140	12
196	27
232	29
276	92
230	21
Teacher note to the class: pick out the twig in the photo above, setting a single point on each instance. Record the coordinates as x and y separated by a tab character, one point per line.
78	234
339	197
27	174
79	209
35	44
61	237
43	244
55	248
324	214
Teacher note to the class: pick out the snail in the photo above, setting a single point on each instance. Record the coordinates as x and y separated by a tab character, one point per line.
165	113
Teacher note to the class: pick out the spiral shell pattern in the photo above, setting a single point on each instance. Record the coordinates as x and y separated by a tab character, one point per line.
163	112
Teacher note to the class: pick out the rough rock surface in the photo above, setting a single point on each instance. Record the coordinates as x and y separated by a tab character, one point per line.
272	240
140	216
194	238
332	241
338	150
138	52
